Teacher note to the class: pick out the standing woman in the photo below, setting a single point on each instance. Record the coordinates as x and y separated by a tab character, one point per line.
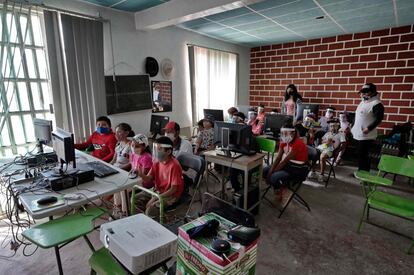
368	116
291	100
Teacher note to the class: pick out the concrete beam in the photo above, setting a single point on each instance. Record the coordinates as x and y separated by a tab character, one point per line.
179	11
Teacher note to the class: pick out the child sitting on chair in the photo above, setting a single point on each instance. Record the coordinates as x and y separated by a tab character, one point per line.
102	142
167	175
140	159
205	137
330	142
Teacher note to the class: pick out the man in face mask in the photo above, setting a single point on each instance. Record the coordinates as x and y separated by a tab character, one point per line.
167	175
290	162
172	130
102	142
368	116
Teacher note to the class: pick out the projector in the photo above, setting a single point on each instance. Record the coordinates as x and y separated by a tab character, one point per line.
138	242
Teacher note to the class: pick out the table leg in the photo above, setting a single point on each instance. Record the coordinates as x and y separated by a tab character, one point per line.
207	176
246	187
222	181
127	201
260	181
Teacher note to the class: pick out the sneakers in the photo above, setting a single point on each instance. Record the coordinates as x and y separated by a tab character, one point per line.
312	175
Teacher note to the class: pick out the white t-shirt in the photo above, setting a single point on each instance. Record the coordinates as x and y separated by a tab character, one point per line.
122	154
185	147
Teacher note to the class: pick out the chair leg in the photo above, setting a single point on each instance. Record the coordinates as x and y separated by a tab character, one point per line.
287	204
299	199
329	174
362	217
59	262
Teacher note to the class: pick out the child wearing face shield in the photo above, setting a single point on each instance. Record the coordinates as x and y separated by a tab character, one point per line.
102	141
141	159
167	175
330	142
323	121
255	122
290	163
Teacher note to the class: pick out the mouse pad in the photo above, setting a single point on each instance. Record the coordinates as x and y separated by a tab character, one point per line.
37	207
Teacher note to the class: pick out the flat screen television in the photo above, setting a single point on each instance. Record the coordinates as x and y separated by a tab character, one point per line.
127	93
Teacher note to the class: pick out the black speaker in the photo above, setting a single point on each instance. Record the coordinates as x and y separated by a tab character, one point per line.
151	66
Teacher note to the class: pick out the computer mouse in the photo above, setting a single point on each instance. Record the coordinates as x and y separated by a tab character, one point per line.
132	175
47	200
220	246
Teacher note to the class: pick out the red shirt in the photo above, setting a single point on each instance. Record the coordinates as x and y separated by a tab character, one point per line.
166	175
104	145
298	146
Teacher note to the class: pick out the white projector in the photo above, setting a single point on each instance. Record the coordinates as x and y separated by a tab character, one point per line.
138	242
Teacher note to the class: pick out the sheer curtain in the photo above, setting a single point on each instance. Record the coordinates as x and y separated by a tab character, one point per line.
213	75
75	50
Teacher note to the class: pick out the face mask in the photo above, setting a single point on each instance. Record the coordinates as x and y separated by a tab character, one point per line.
307	123
160	155
287	139
102	130
365	97
260	110
170	136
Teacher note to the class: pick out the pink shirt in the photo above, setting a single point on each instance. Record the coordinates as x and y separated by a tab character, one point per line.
290	107
143	161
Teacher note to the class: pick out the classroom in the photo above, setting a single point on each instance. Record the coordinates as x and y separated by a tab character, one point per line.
206	137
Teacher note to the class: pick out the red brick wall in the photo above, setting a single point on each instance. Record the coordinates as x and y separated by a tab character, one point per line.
329	71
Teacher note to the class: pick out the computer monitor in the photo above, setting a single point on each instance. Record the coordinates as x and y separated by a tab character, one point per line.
157	124
234	137
43	132
304	109
274	122
243	109
217	115
63	145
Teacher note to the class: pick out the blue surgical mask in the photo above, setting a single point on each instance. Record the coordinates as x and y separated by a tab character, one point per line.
103	130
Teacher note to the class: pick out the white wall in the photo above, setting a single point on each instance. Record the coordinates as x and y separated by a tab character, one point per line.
131	47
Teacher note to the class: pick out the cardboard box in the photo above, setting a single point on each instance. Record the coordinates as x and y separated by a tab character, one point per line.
195	256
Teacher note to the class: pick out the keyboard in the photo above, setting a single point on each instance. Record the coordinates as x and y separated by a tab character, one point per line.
101	170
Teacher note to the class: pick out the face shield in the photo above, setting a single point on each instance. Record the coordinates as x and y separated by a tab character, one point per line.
287	134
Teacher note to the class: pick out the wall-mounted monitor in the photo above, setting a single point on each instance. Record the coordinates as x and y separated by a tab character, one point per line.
127	93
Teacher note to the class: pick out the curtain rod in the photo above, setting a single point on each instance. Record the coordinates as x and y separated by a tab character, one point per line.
188	44
43	6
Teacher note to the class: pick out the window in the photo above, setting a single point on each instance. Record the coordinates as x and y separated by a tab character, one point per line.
24	79
213	75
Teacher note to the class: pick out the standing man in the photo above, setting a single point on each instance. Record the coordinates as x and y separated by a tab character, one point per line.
368	116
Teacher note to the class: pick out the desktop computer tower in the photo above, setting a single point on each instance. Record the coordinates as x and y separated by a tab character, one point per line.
252	198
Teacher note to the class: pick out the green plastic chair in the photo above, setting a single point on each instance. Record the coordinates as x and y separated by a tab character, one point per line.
383	201
59	232
268	146
102	262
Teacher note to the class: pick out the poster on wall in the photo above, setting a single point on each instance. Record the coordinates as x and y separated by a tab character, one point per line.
161	96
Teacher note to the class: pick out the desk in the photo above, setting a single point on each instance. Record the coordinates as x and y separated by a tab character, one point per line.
92	190
244	163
